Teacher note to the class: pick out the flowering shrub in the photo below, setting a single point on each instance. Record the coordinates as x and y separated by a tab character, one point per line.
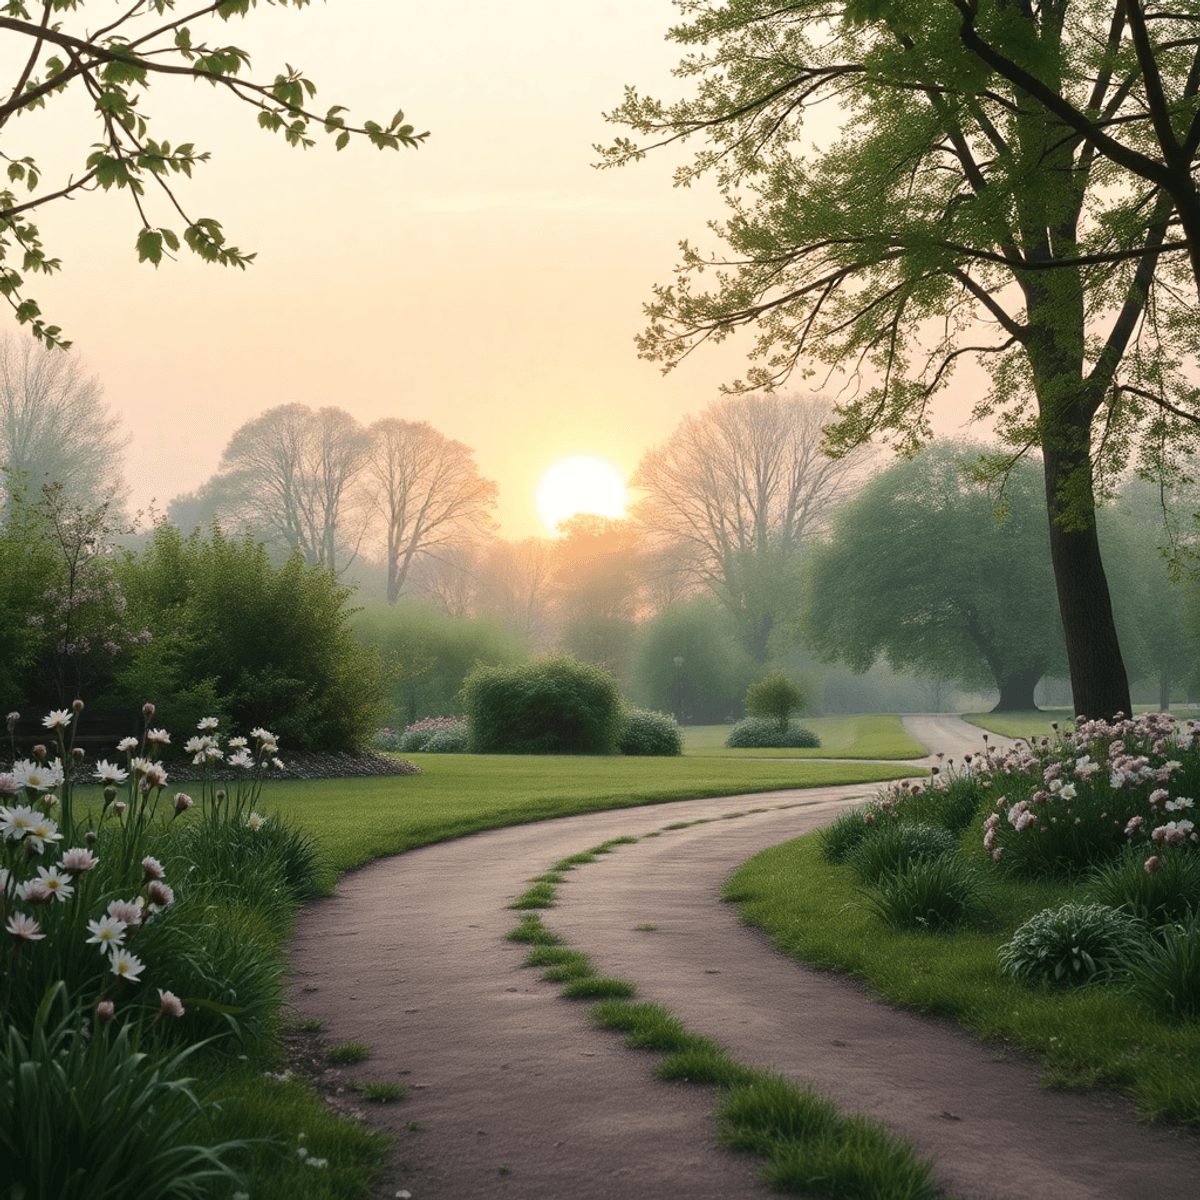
1076	800
1074	944
647	732
416	736
761	732
451	740
386	739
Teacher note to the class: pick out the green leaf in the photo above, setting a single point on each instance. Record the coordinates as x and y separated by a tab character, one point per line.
149	246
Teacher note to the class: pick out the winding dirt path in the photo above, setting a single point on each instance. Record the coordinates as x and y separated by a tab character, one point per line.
515	1094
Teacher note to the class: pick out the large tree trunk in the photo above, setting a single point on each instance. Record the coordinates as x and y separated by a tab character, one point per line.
1016	691
1099	685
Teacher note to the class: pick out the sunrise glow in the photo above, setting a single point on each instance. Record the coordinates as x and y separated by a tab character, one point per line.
580	483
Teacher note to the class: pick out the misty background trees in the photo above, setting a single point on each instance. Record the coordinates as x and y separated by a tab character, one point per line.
869	582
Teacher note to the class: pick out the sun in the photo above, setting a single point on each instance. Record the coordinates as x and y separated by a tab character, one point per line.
580	483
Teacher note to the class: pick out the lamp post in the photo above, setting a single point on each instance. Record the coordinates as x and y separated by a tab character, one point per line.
679	686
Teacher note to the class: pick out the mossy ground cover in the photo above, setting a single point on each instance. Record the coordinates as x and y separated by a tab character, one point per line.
814	912
362	819
873	735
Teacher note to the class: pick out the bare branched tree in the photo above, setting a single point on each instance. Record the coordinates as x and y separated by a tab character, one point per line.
55	428
287	475
426	492
739	489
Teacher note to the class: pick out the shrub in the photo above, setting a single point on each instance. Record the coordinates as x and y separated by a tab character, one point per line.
1167	976
265	645
551	706
1072	803
386	740
928	895
1160	889
1073	945
843	834
646	732
452	740
760	733
891	846
775	698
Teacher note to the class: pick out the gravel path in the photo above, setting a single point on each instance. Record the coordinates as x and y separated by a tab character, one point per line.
515	1094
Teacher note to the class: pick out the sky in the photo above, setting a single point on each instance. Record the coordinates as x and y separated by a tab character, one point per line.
490	282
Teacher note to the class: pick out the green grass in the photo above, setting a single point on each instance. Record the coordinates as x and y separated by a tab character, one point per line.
378	1092
362	819
346	1053
807	1144
1034	723
280	1115
873	735
813	912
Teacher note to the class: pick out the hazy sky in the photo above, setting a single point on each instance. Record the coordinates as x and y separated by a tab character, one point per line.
490	282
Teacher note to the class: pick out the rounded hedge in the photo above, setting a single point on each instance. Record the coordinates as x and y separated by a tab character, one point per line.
761	733
548	706
646	732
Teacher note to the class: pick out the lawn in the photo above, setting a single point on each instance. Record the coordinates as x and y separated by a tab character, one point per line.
815	912
1038	722
361	819
873	735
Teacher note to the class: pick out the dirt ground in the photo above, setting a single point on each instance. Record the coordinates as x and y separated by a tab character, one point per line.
513	1093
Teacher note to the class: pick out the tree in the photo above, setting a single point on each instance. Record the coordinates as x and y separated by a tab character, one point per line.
286	475
739	489
775	697
708	684
952	215
55	428
514	586
918	570
426	492
112	68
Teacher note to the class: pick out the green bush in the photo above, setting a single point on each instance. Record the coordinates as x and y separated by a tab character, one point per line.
1073	945
844	833
234	636
928	895
550	706
758	732
646	732
1170	891
449	741
1167	976
892	846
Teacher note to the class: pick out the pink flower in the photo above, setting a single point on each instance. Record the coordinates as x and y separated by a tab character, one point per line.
170	1004
152	869
78	860
182	802
105	1011
127	911
1133	824
1153	864
24	928
159	893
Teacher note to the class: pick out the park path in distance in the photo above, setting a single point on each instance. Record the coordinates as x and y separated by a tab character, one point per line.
514	1093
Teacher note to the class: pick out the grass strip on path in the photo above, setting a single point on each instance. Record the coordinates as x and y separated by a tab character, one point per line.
873	735
807	1143
359	820
814	912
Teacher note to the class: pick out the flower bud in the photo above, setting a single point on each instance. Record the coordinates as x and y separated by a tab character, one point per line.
77	754
39	752
77	706
105	1011
147	709
90	837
